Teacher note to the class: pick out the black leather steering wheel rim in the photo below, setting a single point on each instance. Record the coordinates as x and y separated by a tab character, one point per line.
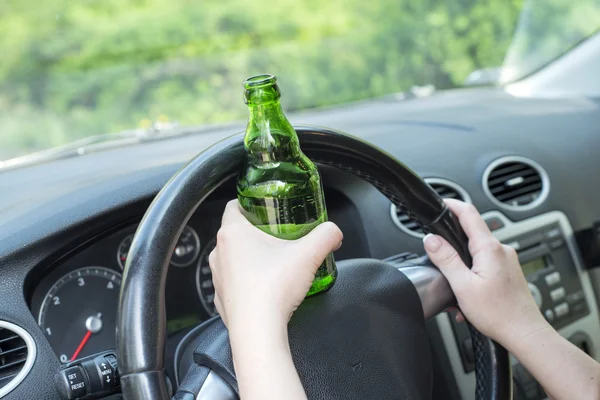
141	323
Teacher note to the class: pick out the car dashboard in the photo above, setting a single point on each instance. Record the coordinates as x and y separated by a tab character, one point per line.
67	225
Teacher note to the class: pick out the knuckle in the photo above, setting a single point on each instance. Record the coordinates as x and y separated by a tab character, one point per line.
231	203
225	235
492	245
470	209
495	246
510	252
212	258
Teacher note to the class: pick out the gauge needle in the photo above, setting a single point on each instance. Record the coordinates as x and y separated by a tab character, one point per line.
81	344
93	325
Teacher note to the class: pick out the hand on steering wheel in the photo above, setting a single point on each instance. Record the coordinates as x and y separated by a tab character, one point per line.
495	282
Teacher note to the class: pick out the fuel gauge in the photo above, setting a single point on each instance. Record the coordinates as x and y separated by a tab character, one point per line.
187	248
185	253
123	250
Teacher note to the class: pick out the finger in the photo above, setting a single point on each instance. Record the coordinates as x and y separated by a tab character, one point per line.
472	223
321	241
218	304
459	317
233	214
447	260
212	260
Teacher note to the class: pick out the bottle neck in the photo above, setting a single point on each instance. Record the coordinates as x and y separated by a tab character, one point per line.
270	137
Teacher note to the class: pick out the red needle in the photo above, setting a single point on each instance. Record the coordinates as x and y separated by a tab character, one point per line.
80	347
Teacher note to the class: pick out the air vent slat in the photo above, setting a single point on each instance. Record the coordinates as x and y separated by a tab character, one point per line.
8	377
445	189
12	350
11	364
515	182
501	181
412	225
518	193
15	351
9	338
533	180
402	217
508	168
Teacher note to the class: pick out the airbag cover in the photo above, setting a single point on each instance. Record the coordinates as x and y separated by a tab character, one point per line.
363	339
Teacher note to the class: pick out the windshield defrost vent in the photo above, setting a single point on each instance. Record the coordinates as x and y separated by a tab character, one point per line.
17	353
446	189
516	183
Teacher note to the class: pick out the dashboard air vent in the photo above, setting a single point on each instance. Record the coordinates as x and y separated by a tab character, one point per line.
17	352
516	183
446	189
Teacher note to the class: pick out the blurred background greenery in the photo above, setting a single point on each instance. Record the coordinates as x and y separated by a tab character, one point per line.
74	68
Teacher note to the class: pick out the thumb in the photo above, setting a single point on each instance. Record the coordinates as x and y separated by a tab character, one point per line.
443	255
321	241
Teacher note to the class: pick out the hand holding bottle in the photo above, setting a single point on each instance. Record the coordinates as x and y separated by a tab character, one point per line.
259	281
258	276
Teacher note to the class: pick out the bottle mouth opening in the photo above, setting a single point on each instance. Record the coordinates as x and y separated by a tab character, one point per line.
259	80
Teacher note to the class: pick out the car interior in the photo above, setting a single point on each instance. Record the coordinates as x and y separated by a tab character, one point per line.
78	322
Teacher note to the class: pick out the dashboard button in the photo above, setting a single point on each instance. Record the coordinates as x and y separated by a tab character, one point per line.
552	278
535	292
107	373
494	223
579	307
554	233
112	360
577	296
558	294
549	314
72	383
561	310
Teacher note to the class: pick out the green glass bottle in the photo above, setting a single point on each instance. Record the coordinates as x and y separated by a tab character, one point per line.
279	188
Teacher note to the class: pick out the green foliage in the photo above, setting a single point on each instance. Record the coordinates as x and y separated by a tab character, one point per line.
73	68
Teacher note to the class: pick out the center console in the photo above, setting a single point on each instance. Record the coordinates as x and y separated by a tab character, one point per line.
559	285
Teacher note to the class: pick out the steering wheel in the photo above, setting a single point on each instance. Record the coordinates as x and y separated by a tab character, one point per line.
364	339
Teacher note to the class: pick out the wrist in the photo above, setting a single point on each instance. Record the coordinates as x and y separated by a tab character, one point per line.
529	326
255	329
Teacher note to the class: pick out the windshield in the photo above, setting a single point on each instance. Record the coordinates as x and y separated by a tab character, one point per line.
75	68
547	29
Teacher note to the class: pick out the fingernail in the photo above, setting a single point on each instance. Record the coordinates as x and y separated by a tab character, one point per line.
432	243
338	246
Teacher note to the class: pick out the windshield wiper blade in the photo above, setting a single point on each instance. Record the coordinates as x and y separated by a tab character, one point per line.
95	143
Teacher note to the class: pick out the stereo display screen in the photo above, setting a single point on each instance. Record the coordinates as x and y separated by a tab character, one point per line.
533	266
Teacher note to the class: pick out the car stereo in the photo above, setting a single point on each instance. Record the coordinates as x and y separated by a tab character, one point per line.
552	275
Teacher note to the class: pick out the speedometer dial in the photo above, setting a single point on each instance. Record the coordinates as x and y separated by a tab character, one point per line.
78	314
204	283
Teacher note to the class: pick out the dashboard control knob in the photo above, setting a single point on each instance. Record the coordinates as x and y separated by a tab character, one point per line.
537	295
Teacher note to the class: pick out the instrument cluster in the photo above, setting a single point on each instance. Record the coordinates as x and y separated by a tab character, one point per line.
76	303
